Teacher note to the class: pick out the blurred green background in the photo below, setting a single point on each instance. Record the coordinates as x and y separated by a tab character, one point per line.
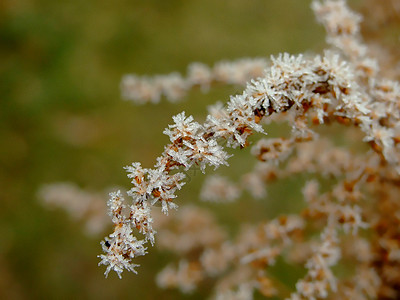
62	119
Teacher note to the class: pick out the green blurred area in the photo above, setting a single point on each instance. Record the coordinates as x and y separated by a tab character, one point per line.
62	119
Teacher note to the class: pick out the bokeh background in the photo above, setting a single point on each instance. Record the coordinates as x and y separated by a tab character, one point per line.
62	120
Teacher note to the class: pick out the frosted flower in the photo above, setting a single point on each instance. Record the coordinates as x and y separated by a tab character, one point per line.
116	205
310	190
382	135
120	248
337	17
219	189
141	90
240	71
173	86
254	185
183	127
267	255
217	112
241	110
312	290
274	150
281	228
185	277
142	220
138	176
206	153
199	74
351	218
216	261
338	72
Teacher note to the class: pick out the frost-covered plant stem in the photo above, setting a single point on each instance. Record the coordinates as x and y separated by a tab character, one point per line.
342	85
323	86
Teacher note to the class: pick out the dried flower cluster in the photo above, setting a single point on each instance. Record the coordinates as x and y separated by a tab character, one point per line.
355	217
173	86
